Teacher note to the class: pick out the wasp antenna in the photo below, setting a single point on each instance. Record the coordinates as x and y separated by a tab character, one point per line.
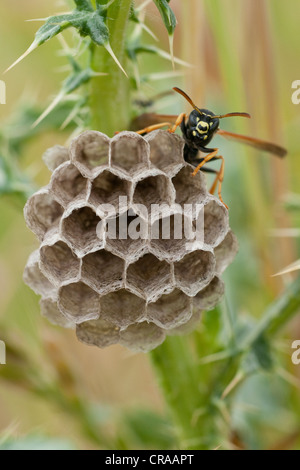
247	115
181	92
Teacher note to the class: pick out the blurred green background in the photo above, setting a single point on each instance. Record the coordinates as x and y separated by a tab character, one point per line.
244	54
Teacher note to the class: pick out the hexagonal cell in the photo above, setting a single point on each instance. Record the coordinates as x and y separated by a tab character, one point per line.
78	302
142	337
59	264
35	279
169	236
90	152
149	277
171	310
166	151
110	189
194	271
189	189
226	252
55	156
209	297
187	327
50	310
129	153
127	235
103	271
68	184
80	228
154	190
42	213
216	221
98	333
122	308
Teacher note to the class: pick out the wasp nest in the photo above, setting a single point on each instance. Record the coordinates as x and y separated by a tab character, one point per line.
134	289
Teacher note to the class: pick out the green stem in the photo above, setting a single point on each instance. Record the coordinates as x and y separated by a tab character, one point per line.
110	94
178	375
193	392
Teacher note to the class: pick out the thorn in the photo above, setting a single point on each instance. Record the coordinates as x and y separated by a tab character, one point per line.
289	269
33	46
167	56
143	5
171	44
37	19
111	52
98	74
148	30
50	108
234	383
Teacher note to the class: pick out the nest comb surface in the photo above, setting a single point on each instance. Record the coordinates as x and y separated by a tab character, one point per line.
117	290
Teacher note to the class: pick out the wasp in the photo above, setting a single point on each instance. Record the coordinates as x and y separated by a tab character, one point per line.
198	129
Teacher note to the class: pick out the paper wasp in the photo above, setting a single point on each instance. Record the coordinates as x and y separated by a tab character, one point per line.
198	128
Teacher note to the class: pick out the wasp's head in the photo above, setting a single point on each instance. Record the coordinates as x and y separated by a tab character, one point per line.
202	125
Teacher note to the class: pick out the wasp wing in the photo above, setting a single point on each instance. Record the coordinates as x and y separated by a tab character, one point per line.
256	143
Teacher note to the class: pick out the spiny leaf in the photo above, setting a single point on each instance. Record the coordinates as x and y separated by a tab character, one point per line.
96	28
167	15
87	21
51	28
83	5
78	78
170	22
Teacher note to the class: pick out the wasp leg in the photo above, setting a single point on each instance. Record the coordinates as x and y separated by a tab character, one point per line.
219	178
154	127
178	122
214	185
205	160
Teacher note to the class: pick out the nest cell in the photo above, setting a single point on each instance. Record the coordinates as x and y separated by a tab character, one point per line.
210	296
111	190
103	271
68	184
153	190
166	151
170	310
170	236
149	277
194	271
42	213
80	228
189	189
216	222
35	279
98	333
55	156
78	302
187	327
129	153
122	308
226	252
127	235
50	310
90	153
59	264
142	337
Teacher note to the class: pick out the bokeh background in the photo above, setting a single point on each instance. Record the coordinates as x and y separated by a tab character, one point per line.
244	57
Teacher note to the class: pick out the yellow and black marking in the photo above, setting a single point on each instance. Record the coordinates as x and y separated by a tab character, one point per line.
198	128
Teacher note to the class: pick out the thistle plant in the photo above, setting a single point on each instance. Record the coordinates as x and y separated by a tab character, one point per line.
208	377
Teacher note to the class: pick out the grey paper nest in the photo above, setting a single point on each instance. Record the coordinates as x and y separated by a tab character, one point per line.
128	291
